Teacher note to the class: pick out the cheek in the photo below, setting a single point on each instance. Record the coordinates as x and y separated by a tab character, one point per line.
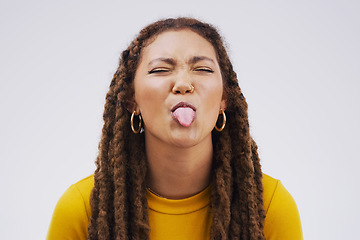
214	93
148	95
212	102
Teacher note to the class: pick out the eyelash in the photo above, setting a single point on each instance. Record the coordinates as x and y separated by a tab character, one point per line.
204	70
158	71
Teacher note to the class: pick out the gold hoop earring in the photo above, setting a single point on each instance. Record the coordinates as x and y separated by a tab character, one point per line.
132	123
224	122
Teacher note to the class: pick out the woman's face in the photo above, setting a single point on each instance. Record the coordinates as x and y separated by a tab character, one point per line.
178	88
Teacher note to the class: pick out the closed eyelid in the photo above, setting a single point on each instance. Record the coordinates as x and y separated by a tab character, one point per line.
205	69
159	70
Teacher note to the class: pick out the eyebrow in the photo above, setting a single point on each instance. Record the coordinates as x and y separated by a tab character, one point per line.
172	61
196	59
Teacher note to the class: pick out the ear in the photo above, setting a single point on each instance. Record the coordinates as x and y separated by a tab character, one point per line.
131	104
137	109
131	107
223	104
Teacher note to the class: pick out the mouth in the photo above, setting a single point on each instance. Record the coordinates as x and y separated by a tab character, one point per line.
184	113
183	105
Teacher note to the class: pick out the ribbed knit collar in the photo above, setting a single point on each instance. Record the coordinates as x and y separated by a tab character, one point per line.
179	206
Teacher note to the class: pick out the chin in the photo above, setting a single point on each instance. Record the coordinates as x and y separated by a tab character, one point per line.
185	140
184	144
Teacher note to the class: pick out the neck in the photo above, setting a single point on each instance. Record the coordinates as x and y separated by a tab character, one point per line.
178	172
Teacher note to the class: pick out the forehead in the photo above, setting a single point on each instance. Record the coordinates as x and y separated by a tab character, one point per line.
178	43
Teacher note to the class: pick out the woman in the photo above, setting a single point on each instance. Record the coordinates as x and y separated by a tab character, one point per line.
176	160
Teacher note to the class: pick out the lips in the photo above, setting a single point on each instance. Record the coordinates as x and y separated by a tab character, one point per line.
184	105
184	113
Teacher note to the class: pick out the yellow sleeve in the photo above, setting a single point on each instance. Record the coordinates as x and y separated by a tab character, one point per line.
282	216
70	218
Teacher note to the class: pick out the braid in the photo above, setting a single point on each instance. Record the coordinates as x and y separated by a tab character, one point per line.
102	191
114	216
138	209
119	208
258	181
119	165
221	195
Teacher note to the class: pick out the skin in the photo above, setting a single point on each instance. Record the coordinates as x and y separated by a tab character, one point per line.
179	157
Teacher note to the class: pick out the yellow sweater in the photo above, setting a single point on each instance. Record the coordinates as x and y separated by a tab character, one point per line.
176	219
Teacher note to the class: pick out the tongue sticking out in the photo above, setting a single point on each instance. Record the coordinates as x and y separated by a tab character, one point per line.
184	115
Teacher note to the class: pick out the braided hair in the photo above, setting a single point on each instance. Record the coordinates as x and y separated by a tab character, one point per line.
119	208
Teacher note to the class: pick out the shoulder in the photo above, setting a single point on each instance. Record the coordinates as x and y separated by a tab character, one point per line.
79	194
72	212
84	188
282	219
270	186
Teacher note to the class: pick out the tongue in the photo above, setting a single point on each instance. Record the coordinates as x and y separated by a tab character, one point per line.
184	115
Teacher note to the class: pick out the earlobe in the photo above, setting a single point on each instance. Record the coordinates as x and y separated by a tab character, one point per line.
137	109
132	106
134	110
222	105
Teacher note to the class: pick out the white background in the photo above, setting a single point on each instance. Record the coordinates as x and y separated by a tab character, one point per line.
297	63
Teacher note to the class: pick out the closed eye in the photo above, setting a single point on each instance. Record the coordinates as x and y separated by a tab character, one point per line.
158	70
204	70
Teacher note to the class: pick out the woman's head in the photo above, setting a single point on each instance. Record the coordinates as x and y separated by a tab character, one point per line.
118	201
178	89
133	55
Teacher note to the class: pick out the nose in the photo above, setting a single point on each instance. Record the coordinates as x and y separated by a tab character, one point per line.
182	84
